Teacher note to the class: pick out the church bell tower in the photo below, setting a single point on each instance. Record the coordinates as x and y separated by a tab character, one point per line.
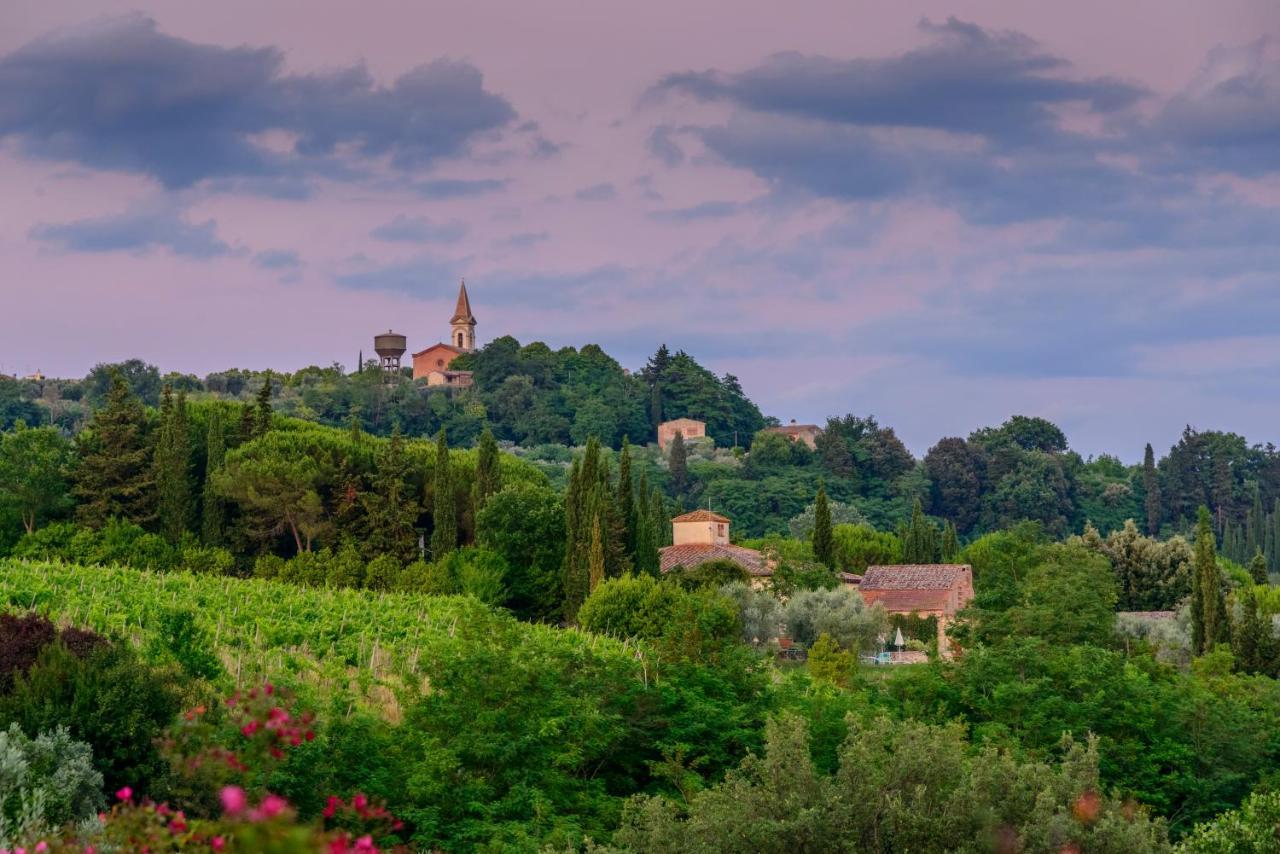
462	326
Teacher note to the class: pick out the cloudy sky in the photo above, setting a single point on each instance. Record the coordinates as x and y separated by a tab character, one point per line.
937	213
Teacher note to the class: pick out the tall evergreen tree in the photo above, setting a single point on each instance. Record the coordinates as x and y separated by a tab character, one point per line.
390	509
248	422
262	419
950	542
113	477
595	556
1258	567
172	463
823	539
444	510
213	511
488	471
920	542
1208	605
678	464
1151	486
625	499
646	551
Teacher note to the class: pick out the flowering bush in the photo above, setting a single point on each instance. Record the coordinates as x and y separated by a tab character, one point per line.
229	752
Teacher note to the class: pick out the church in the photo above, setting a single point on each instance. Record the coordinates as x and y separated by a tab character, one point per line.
432	364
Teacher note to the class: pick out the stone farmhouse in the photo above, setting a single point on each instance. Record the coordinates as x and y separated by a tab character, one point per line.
807	433
928	590
688	428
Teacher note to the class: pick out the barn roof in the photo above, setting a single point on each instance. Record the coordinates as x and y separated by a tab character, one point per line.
915	576
701	516
690	555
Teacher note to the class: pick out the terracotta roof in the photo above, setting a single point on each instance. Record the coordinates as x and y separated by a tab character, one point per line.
794	428
850	578
462	313
1148	615
683	421
693	554
906	601
437	346
700	516
915	576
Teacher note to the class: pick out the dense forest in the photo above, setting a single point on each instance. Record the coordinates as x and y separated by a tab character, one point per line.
319	611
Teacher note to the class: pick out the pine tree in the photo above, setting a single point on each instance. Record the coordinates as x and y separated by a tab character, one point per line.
214	512
390	509
578	526
488	471
1208	605
1258	567
113	477
1151	485
950	542
678	464
444	513
595	557
823	540
920	543
172	464
1252	637
262	419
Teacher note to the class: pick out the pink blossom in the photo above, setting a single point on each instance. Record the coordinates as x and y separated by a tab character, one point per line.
125	793
217	843
365	843
233	800
271	806
42	846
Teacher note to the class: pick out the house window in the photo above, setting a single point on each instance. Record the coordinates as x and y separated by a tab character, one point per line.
459	339
439	363
720	528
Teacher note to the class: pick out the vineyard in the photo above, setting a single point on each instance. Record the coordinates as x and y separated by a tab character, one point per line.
353	644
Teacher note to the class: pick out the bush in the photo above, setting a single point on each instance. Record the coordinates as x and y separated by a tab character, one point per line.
23	638
110	699
45	783
759	612
178	638
383	573
839	613
713	574
207	560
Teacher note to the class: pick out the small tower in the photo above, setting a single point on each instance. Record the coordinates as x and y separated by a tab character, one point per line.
462	326
390	346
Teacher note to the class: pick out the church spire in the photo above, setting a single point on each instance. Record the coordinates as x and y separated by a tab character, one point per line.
462	314
462	326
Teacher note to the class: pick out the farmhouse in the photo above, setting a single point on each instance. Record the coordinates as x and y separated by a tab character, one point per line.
807	433
703	536
688	428
928	590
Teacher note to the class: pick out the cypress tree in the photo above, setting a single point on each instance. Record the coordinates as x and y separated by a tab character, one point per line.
390	509
1208	605
248	422
625	500
678	464
646	553
488	471
262	418
1258	567
172	463
113	477
920	543
214	512
1255	525
444	513
1151	486
823	541
595	556
658	519
950	542
1252	637
1275	536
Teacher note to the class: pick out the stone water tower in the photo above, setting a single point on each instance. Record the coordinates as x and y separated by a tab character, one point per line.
390	346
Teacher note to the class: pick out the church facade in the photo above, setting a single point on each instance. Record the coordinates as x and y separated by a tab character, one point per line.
432	364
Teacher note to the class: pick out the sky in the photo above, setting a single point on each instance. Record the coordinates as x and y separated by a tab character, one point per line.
939	214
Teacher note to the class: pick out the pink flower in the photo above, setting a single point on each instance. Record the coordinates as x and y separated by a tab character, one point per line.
365	843
249	729
233	800
42	846
125	793
332	806
217	843
271	806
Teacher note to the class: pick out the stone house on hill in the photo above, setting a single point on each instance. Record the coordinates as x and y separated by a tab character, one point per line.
807	433
928	590
686	427
703	536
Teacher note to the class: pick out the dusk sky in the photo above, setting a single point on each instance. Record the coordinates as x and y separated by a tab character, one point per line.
940	214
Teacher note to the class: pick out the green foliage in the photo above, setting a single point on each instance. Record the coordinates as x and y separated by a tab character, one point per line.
112	477
838	613
1251	829
110	699
828	663
711	574
1151	575
678	464
899	787
524	523
919	538
444	509
1208	603
759	612
391	509
45	782
213	517
1068	597
860	546
823	540
34	464
175	506
179	638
